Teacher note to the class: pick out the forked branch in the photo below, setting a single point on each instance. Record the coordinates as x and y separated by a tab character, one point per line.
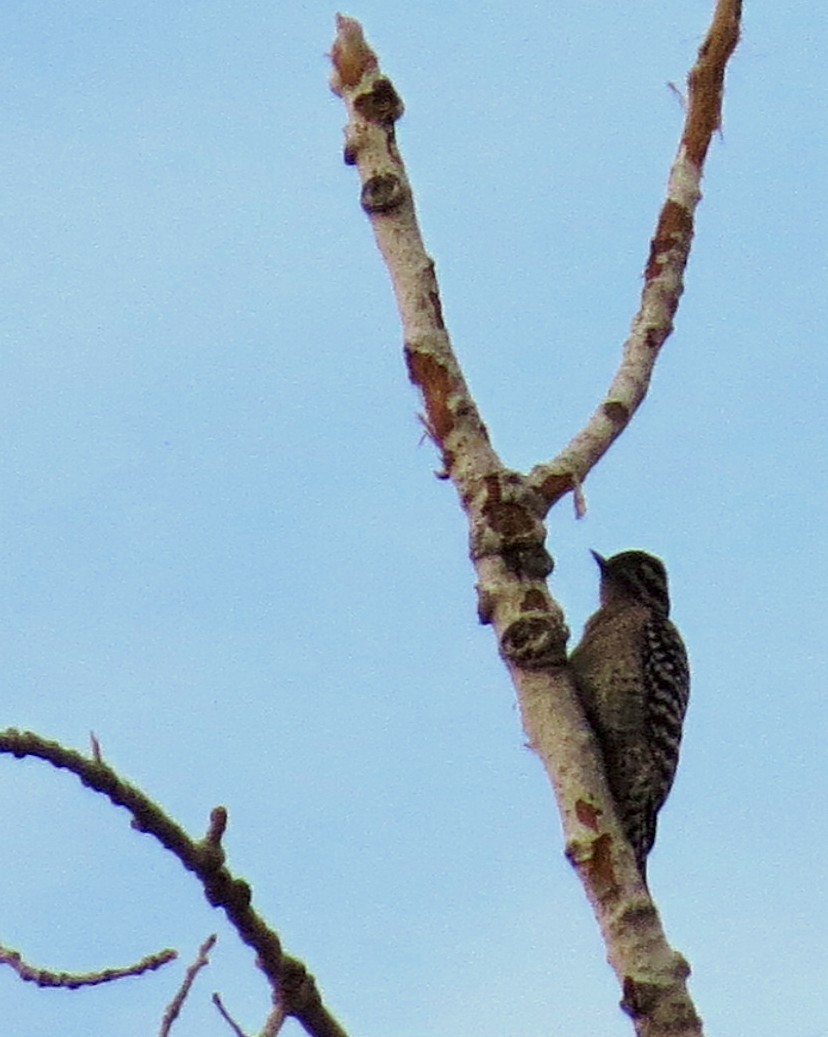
291	985
505	509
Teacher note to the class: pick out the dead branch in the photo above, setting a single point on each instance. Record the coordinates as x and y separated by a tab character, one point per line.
72	980
231	1022
664	272
174	1007
290	982
505	509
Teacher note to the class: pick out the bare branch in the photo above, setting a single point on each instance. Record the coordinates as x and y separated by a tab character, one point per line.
664	274
505	509
452	421
217	827
73	980
288	977
275	1022
177	1003
97	755
231	1022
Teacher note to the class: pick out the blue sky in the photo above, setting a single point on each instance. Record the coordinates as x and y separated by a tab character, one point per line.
225	552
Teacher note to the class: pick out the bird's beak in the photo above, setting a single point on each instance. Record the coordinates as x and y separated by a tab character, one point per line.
602	562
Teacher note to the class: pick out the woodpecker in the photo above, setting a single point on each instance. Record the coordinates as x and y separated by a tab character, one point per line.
633	681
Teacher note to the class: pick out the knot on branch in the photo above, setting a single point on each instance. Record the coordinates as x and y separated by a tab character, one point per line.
616	412
381	104
299	992
640	998
645	997
383	193
511	527
534	642
222	890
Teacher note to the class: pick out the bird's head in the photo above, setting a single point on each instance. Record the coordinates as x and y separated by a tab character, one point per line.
636	576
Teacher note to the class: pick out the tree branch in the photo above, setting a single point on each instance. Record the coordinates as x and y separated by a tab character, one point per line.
174	1007
72	980
505	509
290	982
664	273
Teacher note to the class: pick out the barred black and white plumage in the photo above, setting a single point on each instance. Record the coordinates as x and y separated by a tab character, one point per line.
633	681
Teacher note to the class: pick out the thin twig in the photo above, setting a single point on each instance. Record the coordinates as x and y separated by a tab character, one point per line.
288	977
231	1022
72	980
177	1003
275	1021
